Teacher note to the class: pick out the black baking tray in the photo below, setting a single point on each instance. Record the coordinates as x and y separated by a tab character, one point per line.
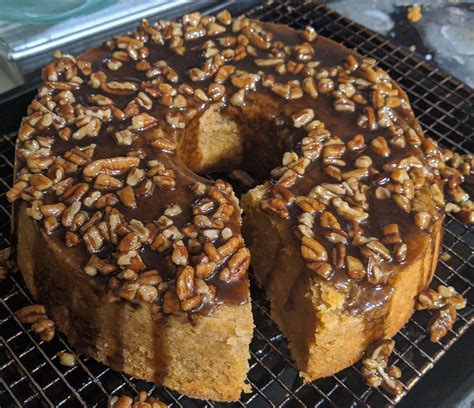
434	374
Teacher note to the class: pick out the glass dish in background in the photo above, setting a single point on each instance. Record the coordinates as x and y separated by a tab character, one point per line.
48	11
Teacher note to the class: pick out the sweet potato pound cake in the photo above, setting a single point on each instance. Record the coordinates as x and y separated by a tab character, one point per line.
141	262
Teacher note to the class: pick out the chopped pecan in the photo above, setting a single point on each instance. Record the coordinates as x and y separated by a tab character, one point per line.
36	316
143	121
180	253
106	182
302	117
67	359
40	182
127	197
237	265
322	269
355	268
112	165
75	193
313	250
119	88
205	270
441	322
375	369
141	401
163	143
185	283
430	299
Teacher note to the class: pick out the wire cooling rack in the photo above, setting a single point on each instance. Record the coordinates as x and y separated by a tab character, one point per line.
30	373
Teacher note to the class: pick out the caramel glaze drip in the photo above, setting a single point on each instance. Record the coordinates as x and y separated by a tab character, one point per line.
239	44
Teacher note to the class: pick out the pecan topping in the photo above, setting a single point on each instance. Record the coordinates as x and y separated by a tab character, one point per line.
143	121
113	165
429	299
164	144
355	268
312	250
302	117
36	316
376	371
106	182
237	265
141	401
445	300
119	88
441	322
322	269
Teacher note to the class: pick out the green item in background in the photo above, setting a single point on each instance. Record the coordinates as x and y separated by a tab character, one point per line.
48	11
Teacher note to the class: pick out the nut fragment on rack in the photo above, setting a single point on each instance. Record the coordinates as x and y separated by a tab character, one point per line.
445	300
459	171
430	299
36	316
67	359
441	322
142	400
6	264
375	369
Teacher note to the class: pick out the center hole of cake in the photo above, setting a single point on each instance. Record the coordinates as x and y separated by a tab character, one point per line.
223	140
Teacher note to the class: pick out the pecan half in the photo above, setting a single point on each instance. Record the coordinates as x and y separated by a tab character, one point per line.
313	250
441	322
36	316
112	165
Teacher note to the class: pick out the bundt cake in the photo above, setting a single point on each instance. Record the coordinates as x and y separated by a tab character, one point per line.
141	262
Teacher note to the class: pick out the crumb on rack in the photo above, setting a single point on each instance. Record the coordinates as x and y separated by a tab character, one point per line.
141	400
445	256
414	13
67	359
40	323
445	301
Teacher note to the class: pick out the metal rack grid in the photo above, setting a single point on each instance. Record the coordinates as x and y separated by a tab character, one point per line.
30	373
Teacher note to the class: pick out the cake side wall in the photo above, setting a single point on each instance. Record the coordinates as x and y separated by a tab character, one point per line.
207	359
323	337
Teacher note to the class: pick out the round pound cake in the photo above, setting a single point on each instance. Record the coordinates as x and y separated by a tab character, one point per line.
141	261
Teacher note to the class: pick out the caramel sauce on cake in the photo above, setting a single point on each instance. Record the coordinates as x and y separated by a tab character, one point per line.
108	163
